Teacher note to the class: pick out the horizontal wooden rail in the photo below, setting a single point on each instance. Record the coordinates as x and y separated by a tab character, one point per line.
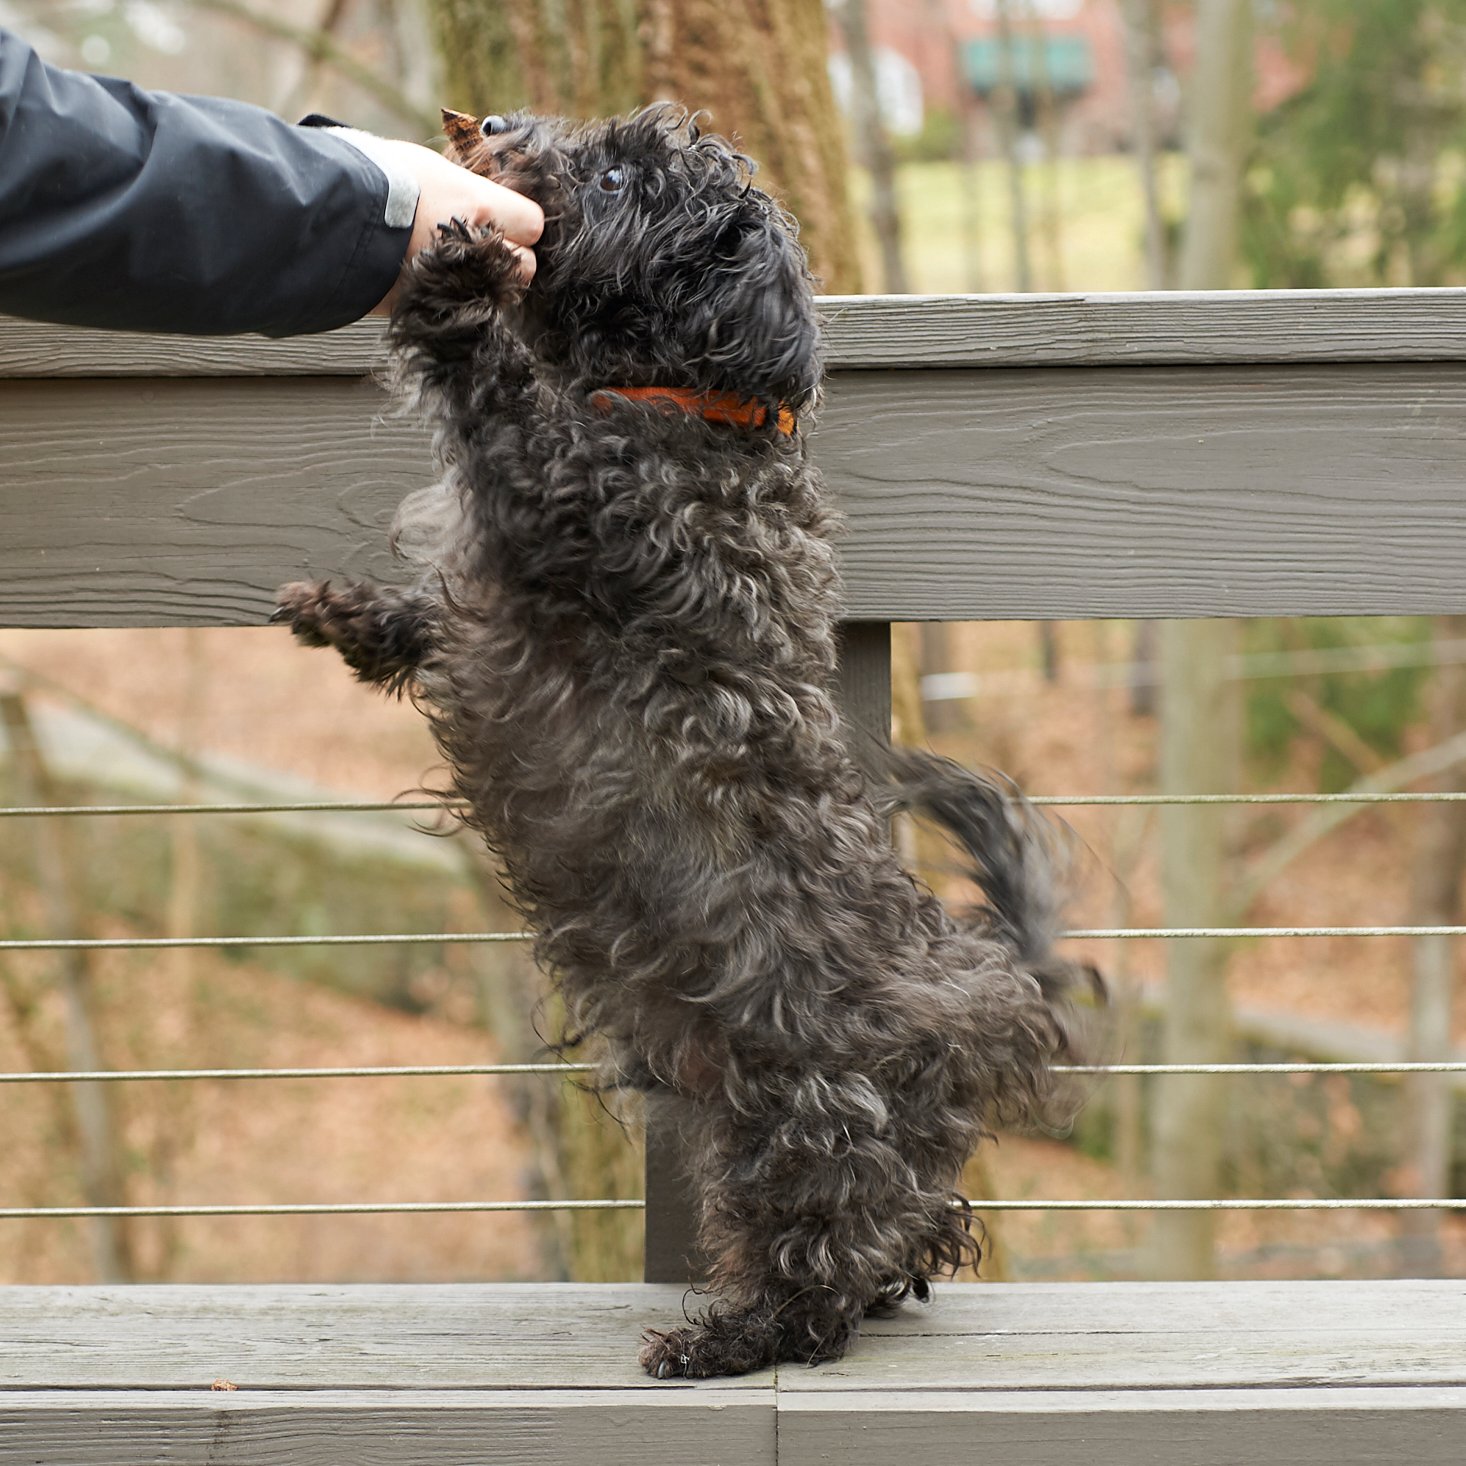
1107	1374
1206	328
1061	456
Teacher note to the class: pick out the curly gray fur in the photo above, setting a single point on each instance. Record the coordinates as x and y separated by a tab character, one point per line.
624	640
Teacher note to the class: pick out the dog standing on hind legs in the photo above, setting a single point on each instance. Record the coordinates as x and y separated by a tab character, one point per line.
623	637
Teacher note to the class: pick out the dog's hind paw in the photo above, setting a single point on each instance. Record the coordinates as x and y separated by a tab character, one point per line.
697	1353
735	1342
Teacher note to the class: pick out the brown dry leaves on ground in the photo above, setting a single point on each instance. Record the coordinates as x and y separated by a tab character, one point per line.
275	706
265	1142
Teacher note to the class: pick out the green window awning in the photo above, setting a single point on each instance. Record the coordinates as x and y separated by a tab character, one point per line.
1064	63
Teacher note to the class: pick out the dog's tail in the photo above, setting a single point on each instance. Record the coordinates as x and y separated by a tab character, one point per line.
1021	862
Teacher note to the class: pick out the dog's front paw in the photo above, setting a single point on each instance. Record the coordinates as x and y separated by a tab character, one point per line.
462	279
307	607
382	635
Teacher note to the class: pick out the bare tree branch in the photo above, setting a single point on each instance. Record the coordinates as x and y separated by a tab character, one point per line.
297	96
326	51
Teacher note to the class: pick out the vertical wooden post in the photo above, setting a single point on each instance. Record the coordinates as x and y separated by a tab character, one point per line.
865	680
672	1253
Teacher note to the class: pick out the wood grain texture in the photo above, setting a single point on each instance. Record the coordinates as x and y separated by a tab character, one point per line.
386	1428
33	349
1110	1374
510	1336
1149	491
884	331
564	1336
1357	1427
672	1254
166	502
1077	492
864	682
1184	327
1393	1305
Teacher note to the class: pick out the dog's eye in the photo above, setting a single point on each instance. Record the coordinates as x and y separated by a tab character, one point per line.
493	125
613	180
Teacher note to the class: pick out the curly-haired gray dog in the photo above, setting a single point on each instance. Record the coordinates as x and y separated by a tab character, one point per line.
624	639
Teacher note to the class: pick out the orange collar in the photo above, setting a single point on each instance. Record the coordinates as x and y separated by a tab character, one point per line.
719	407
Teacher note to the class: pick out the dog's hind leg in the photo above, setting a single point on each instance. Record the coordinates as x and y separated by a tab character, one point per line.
383	634
811	1217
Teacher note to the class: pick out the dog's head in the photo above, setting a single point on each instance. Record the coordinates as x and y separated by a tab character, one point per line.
661	264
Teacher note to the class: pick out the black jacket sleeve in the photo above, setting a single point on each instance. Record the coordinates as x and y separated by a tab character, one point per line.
149	211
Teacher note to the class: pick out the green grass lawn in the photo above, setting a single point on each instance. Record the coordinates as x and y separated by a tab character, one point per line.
1085	224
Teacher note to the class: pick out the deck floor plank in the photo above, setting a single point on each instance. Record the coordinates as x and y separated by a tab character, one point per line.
1360	1427
375	1428
1212	1374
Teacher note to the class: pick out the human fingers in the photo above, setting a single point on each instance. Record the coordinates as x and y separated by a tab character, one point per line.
526	261
447	191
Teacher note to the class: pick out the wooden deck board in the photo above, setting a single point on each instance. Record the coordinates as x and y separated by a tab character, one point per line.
1363	1427
1114	1373
359	1428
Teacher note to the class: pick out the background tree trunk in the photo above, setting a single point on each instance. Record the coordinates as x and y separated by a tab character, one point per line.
1439	864
873	146
1221	119
1140	60
759	68
1046	106
1199	754
1005	110
1200	721
57	865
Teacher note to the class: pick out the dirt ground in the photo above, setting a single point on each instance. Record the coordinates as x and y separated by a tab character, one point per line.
251	695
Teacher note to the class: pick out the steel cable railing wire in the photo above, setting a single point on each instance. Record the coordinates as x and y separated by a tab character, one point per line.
374	939
416	806
54	1213
487	1070
471	1071
977	1204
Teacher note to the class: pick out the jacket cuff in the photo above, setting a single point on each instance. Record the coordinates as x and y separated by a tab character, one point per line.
402	186
376	261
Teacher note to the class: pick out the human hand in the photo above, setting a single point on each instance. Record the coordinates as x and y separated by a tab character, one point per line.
446	191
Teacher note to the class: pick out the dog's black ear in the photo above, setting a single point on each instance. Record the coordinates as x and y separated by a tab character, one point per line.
758	316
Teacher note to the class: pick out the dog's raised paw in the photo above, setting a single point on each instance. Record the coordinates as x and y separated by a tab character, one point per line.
468	272
382	634
305	607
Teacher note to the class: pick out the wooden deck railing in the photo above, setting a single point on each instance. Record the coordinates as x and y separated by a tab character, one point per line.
1026	457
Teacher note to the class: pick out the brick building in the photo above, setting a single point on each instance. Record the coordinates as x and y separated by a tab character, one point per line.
929	51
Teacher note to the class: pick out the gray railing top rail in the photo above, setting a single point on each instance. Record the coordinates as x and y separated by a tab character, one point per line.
996	457
871	332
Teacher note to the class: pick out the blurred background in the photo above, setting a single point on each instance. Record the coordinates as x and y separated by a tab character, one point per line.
926	146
